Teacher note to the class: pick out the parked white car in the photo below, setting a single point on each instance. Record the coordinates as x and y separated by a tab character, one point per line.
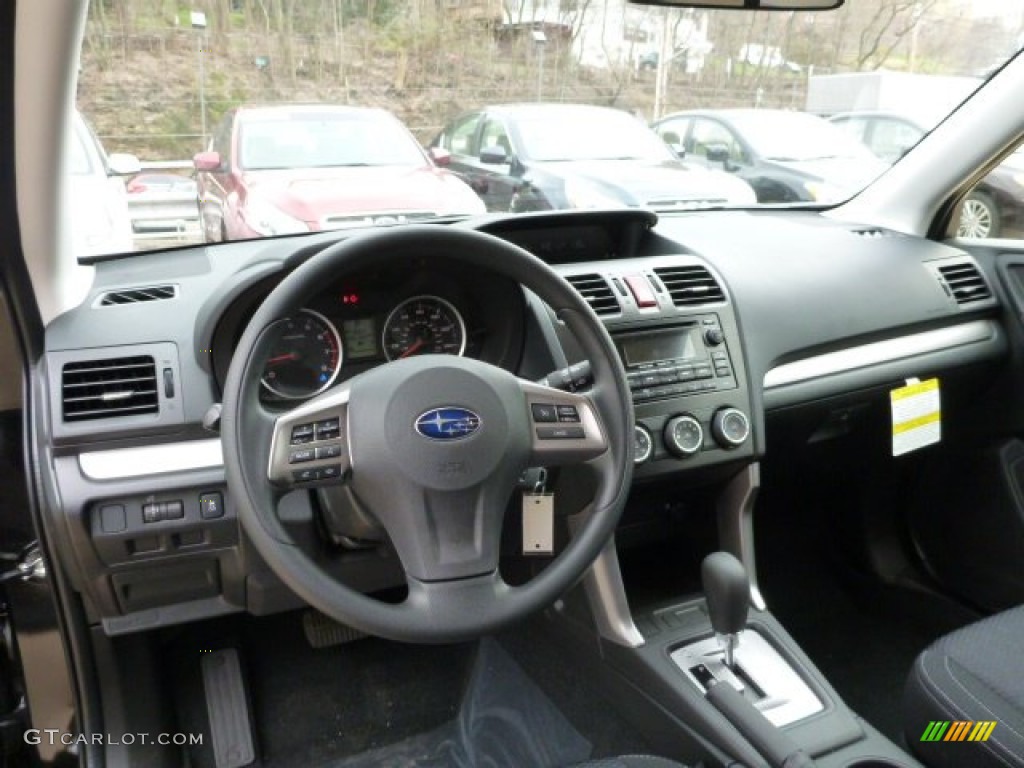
99	204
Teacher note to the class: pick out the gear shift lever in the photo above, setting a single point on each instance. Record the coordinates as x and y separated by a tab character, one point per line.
727	589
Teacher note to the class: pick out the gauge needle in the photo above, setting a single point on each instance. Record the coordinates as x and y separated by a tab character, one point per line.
418	345
282	359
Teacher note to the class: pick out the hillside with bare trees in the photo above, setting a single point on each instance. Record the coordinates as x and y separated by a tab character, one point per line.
427	60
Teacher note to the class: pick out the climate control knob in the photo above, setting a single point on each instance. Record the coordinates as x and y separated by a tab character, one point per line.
730	427
643	445
684	436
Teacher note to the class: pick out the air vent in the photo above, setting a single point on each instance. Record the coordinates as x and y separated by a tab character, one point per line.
965	282
597	293
101	389
690	286
138	295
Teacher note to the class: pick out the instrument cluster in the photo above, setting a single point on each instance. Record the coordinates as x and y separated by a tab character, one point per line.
379	317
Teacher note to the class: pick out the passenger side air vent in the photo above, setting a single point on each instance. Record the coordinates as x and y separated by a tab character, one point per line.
965	282
690	286
137	295
100	389
596	292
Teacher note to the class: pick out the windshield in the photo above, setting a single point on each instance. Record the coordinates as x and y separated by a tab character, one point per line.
324	141
794	136
295	117
589	135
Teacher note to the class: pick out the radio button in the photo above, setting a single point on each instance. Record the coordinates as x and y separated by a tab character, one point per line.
686	373
714	337
650	380
703	372
668	377
723	370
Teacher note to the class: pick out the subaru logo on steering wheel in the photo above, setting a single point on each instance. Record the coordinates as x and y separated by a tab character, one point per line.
447	423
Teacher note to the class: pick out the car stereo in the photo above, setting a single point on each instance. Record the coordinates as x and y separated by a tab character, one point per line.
678	360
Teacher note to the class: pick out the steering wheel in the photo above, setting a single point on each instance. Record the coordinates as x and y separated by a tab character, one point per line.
433	446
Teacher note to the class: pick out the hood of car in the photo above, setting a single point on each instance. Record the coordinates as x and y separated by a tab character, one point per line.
852	173
656	184
325	198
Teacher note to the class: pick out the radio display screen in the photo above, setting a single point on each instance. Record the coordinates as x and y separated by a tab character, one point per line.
677	344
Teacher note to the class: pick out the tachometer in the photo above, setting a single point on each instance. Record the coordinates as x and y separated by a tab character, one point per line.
306	358
424	325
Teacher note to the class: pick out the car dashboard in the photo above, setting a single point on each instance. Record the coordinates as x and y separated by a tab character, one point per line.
721	318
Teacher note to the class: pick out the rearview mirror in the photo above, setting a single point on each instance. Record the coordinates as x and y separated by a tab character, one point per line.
494	155
441	157
674	143
120	164
749	5
207	161
717	154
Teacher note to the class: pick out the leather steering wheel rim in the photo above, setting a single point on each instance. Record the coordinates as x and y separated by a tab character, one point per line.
448	610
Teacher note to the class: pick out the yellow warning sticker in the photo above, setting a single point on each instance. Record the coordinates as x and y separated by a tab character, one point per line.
916	416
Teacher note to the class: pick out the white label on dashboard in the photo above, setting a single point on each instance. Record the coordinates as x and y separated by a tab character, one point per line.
916	416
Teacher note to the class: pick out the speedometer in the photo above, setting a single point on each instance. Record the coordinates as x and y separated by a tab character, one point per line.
306	357
424	325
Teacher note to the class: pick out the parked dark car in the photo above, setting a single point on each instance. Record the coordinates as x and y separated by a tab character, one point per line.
530	157
287	169
993	207
786	157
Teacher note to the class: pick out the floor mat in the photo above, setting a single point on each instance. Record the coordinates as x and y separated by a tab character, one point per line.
505	721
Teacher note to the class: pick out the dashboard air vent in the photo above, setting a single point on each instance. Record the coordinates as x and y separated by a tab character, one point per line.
965	282
596	292
137	295
100	389
690	286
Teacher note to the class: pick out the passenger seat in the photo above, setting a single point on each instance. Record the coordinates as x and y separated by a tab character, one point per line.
959	686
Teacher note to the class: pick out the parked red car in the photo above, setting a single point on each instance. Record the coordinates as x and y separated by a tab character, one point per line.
285	169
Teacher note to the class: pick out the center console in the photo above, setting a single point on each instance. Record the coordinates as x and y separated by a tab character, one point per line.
676	332
737	682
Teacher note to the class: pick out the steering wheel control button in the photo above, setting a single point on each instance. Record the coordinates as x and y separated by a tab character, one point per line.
301	434
211	506
329	429
307	475
568	413
730	427
643	445
300	455
543	413
561	433
684	436
331	451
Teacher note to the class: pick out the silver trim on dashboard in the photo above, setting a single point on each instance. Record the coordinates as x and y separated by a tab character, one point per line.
120	463
880	352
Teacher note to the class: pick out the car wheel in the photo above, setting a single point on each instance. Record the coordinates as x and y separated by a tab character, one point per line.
979	217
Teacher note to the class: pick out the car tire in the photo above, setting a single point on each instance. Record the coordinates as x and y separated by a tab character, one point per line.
979	217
